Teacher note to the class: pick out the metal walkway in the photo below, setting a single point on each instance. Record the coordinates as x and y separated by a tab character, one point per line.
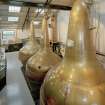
16	91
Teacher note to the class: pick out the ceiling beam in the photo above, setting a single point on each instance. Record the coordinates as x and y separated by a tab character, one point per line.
10	14
30	4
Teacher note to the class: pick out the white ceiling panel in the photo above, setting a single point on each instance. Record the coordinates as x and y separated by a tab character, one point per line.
34	1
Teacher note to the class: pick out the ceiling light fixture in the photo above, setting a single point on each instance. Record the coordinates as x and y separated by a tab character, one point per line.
14	9
13	19
36	22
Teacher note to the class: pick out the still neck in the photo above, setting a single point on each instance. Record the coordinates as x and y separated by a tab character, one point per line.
82	47
45	32
32	31
54	28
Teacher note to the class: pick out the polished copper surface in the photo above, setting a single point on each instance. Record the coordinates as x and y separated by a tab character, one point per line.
80	79
30	48
54	28
44	60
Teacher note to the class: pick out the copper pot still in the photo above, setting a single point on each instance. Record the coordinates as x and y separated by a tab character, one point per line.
44	60
30	48
80	79
54	28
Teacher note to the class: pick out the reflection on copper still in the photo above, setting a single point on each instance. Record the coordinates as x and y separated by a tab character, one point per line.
44	60
30	48
54	28
80	79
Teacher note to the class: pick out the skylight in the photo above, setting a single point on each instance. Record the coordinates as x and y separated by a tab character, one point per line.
39	10
13	19
14	9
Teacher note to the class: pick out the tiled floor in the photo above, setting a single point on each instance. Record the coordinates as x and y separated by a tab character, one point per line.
16	91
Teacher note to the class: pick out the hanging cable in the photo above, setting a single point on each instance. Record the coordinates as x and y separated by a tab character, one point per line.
27	16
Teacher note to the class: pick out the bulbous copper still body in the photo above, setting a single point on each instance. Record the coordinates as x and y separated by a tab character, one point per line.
39	64
30	48
80	79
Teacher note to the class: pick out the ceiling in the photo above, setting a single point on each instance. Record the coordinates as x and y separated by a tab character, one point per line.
4	13
56	2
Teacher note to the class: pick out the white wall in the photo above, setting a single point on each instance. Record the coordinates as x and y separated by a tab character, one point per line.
26	33
62	25
98	16
22	34
38	32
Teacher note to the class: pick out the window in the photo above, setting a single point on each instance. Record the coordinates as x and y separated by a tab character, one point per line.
14	9
13	19
8	34
40	10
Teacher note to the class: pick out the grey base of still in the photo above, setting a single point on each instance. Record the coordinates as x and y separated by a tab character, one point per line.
34	87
